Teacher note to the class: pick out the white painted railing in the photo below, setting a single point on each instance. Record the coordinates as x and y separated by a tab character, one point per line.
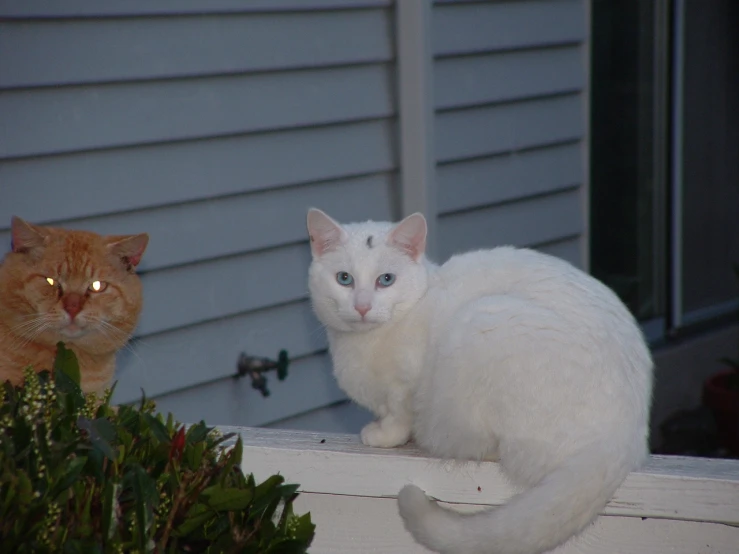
674	505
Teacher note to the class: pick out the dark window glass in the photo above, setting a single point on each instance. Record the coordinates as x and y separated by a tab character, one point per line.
710	159
627	130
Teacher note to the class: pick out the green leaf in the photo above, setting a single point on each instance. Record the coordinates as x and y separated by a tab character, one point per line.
222	439
234	458
225	499
124	504
95	460
66	363
218	527
196	517
73	400
22	436
73	470
266	492
10	494
86	515
288	490
224	543
304	529
157	428
144	492
195	454
267	512
81	546
99	431
197	433
25	489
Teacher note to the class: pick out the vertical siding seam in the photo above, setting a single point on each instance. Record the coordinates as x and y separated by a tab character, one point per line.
415	66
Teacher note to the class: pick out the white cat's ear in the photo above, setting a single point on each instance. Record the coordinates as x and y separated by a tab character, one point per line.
325	233
129	248
24	236
410	235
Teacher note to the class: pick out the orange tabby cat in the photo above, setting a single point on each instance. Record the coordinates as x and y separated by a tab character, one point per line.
72	286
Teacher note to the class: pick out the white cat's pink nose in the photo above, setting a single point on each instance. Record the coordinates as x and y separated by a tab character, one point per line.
362	309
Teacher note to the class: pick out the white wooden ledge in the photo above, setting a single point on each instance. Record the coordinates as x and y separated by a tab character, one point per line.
673	505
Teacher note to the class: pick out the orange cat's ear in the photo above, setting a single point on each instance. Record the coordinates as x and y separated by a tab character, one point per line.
128	248
25	236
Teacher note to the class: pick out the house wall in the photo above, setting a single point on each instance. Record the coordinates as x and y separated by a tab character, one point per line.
510	120
214	126
510	128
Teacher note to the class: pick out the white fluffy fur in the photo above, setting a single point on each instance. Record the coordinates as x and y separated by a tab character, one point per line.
504	354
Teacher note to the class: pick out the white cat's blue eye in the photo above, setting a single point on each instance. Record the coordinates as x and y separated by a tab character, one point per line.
386	279
344	279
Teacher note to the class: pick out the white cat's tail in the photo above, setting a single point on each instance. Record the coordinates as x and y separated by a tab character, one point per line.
532	522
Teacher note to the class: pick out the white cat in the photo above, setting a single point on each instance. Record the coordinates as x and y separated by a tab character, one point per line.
504	354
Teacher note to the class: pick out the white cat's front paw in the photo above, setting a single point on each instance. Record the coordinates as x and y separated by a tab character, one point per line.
385	434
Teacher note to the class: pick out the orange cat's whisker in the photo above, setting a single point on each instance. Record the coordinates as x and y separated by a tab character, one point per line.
21	339
32	324
32	316
116	336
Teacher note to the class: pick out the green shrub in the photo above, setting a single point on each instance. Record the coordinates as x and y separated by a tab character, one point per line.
77	475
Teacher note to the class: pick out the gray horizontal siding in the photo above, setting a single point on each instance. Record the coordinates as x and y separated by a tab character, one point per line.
163	174
526	222
198	292
568	249
235	402
228	225
216	147
474	80
510	120
509	176
342	417
100	50
207	352
464	27
54	120
474	132
94	8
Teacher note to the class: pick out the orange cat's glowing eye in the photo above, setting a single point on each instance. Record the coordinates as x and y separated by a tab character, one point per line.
98	286
50	281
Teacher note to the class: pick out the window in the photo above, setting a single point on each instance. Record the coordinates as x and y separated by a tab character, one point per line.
664	165
627	155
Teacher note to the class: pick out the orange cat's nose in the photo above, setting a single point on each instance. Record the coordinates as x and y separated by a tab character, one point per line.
73	303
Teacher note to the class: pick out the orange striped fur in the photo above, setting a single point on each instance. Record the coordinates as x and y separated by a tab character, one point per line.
72	286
